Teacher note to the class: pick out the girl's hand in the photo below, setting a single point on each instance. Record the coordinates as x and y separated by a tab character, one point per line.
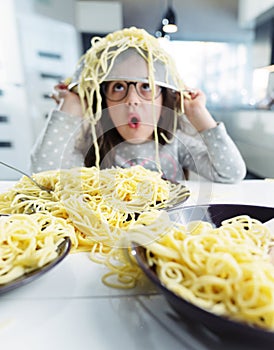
196	111
68	101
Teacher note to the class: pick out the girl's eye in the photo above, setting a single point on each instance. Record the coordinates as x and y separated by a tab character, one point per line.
146	87
118	87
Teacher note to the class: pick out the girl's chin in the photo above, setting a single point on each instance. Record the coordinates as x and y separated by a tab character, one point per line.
136	136
136	141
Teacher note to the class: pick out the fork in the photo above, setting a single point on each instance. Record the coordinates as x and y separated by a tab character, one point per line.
43	188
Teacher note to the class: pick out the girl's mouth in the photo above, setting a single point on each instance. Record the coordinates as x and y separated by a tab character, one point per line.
134	121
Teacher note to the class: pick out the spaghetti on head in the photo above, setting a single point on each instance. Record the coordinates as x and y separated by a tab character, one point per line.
129	54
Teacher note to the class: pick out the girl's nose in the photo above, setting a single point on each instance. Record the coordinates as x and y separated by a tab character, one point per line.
132	96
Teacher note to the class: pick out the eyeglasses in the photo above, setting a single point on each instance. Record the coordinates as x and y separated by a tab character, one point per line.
118	90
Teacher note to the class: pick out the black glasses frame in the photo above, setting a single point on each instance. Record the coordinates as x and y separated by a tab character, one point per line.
128	83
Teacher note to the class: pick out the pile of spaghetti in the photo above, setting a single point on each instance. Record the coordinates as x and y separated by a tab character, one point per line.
28	242
101	206
129	190
225	270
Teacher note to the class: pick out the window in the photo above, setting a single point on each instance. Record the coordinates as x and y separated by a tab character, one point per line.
220	69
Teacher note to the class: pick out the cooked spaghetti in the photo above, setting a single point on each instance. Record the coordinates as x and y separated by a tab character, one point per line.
96	202
100	206
225	270
28	242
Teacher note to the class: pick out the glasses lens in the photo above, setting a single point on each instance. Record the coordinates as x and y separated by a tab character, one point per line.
118	90
146	92
115	90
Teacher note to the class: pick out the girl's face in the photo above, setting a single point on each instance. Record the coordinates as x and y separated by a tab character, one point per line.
133	116
130	104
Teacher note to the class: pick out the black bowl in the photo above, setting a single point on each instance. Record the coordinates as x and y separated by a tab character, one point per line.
216	213
224	327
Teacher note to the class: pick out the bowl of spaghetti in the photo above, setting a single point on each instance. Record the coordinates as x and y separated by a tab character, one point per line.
30	246
214	269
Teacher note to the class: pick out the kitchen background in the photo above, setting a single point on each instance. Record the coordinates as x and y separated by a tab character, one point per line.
224	47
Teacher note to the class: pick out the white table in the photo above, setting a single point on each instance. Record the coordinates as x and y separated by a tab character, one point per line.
70	308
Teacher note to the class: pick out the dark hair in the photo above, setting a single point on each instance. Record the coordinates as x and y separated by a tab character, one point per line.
109	137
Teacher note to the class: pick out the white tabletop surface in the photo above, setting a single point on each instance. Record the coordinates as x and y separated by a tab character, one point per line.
70	308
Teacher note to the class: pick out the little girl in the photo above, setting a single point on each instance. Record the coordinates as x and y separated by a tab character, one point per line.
127	105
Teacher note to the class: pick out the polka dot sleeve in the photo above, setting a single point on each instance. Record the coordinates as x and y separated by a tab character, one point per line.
55	147
211	154
227	162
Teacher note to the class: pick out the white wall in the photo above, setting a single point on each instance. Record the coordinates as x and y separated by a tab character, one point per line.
61	10
14	144
35	53
250	10
87	16
98	16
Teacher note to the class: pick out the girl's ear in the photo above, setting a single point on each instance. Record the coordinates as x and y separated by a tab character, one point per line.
177	97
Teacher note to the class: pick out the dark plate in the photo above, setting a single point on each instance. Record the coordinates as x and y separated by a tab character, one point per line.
221	326
62	250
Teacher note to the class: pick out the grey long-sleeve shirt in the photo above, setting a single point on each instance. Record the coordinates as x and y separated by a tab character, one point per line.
212	154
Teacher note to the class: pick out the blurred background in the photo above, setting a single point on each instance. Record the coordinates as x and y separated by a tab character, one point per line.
224	47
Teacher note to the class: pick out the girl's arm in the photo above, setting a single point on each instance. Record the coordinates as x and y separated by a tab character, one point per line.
196	111
212	154
63	141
